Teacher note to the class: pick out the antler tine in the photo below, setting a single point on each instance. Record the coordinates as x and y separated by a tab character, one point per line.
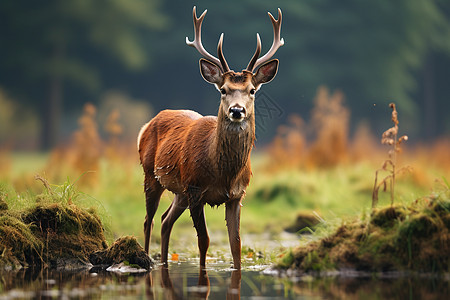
252	62
223	62
277	41
197	43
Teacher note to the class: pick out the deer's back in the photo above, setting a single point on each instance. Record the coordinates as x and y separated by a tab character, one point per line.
174	146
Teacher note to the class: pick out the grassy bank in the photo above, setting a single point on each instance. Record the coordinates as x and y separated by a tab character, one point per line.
59	228
400	237
53	228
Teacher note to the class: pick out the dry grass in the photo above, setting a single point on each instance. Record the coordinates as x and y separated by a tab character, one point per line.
289	145
82	156
330	124
114	130
5	162
390	138
324	142
364	145
87	145
425	157
321	143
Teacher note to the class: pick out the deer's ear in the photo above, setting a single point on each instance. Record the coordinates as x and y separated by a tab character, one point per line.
210	72
266	72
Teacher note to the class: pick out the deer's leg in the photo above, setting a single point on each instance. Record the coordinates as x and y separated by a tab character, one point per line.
176	208
153	192
232	216
198	217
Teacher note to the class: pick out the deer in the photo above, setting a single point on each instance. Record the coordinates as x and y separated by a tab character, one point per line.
206	159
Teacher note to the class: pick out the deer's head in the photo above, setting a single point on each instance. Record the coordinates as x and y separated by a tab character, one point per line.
237	89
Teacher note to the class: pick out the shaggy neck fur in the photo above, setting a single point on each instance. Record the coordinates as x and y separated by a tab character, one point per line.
234	142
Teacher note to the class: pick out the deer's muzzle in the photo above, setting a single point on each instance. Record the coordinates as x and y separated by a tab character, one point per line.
236	113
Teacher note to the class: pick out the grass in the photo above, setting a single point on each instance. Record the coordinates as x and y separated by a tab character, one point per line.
48	229
59	228
343	191
272	202
396	237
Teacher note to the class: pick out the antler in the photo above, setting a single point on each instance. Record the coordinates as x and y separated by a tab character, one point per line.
197	43
277	43
251	64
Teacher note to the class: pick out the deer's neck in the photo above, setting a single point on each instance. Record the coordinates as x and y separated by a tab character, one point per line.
233	144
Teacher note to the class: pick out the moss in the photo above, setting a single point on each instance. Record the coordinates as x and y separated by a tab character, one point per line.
52	231
46	233
278	190
316	261
67	230
126	250
18	245
3	205
416	238
446	221
419	226
286	260
386	217
304	221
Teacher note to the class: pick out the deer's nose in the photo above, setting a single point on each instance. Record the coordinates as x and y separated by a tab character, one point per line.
237	113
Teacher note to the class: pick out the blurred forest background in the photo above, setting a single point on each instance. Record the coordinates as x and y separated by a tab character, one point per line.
130	57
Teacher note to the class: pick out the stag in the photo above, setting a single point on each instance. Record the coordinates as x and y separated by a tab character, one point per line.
206	159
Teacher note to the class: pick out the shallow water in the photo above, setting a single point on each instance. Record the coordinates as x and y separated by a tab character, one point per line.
184	281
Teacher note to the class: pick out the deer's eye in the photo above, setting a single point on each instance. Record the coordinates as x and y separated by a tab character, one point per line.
223	92
252	91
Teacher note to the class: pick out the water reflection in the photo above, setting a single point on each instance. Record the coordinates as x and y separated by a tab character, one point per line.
201	292
185	281
182	288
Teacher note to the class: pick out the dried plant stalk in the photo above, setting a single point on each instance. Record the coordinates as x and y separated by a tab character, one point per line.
44	182
389	137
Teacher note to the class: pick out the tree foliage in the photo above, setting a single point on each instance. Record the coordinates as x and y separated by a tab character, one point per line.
376	52
48	44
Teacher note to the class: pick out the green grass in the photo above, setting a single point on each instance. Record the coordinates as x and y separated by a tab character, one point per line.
272	202
25	163
399	237
39	229
341	192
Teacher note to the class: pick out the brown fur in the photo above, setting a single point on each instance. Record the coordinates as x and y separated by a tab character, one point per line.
185	152
203	160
